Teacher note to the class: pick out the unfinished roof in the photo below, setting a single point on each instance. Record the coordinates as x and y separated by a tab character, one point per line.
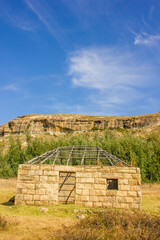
78	155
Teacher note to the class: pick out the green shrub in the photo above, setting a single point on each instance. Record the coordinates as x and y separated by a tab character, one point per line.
141	152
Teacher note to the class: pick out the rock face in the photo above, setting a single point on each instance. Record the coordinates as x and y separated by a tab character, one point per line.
65	123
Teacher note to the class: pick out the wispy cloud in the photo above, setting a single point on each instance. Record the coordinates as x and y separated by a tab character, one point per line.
147	39
114	79
16	18
151	11
47	16
104	68
10	87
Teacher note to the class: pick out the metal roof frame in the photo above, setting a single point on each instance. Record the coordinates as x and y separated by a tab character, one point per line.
78	155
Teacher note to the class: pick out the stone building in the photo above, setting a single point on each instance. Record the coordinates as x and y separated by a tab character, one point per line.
84	175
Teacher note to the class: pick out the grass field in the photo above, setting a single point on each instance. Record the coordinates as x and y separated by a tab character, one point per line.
28	222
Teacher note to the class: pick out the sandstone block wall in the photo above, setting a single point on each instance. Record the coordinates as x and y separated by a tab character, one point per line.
39	185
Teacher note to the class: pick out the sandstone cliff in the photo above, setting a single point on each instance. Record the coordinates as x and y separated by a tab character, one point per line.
64	123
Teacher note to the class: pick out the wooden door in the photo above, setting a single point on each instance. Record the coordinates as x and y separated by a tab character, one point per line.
67	184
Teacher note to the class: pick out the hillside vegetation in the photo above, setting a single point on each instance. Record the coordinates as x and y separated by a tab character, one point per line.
140	151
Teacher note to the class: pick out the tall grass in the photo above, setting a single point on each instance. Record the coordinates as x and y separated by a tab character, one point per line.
111	225
143	152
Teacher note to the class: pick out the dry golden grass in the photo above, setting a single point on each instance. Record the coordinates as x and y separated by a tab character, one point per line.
27	222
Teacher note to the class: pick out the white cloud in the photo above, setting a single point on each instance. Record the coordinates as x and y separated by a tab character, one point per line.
114	80
146	39
10	87
103	68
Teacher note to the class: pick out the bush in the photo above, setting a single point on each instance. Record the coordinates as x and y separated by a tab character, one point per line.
137	151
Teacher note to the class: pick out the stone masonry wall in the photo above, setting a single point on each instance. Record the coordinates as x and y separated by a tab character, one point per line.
39	185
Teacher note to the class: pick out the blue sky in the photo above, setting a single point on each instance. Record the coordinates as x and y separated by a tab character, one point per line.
97	57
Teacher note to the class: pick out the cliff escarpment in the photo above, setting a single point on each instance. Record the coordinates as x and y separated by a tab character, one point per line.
65	123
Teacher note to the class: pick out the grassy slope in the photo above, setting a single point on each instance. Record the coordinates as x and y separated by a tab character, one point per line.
27	222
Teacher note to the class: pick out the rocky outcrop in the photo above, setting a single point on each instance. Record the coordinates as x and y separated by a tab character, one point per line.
65	123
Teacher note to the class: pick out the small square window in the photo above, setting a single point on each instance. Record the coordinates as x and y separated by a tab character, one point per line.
112	184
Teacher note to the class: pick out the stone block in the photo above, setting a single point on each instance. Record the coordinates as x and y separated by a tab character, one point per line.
29	202
129	199
100	192
46	167
31	172
22	172
79	191
30	185
24	190
38	203
89	186
134	206
124	187
45	203
123	181
38	172
40	191
49	191
120	199
100	181
52	179
135	188
84	198
107	204
43	178
43	197
127	176
19	202
92	192
97	175
85	192
88	175
26	178
28	197
31	191
133	182
87	180
100	186
136	176
132	193
97	204
100	199
25	166
137	200
49	173
88	204
93	198
111	193
122	193
113	170
53	197
116	205
125	205
52	203
36	197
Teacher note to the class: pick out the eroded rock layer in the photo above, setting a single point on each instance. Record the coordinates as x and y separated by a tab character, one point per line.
65	123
